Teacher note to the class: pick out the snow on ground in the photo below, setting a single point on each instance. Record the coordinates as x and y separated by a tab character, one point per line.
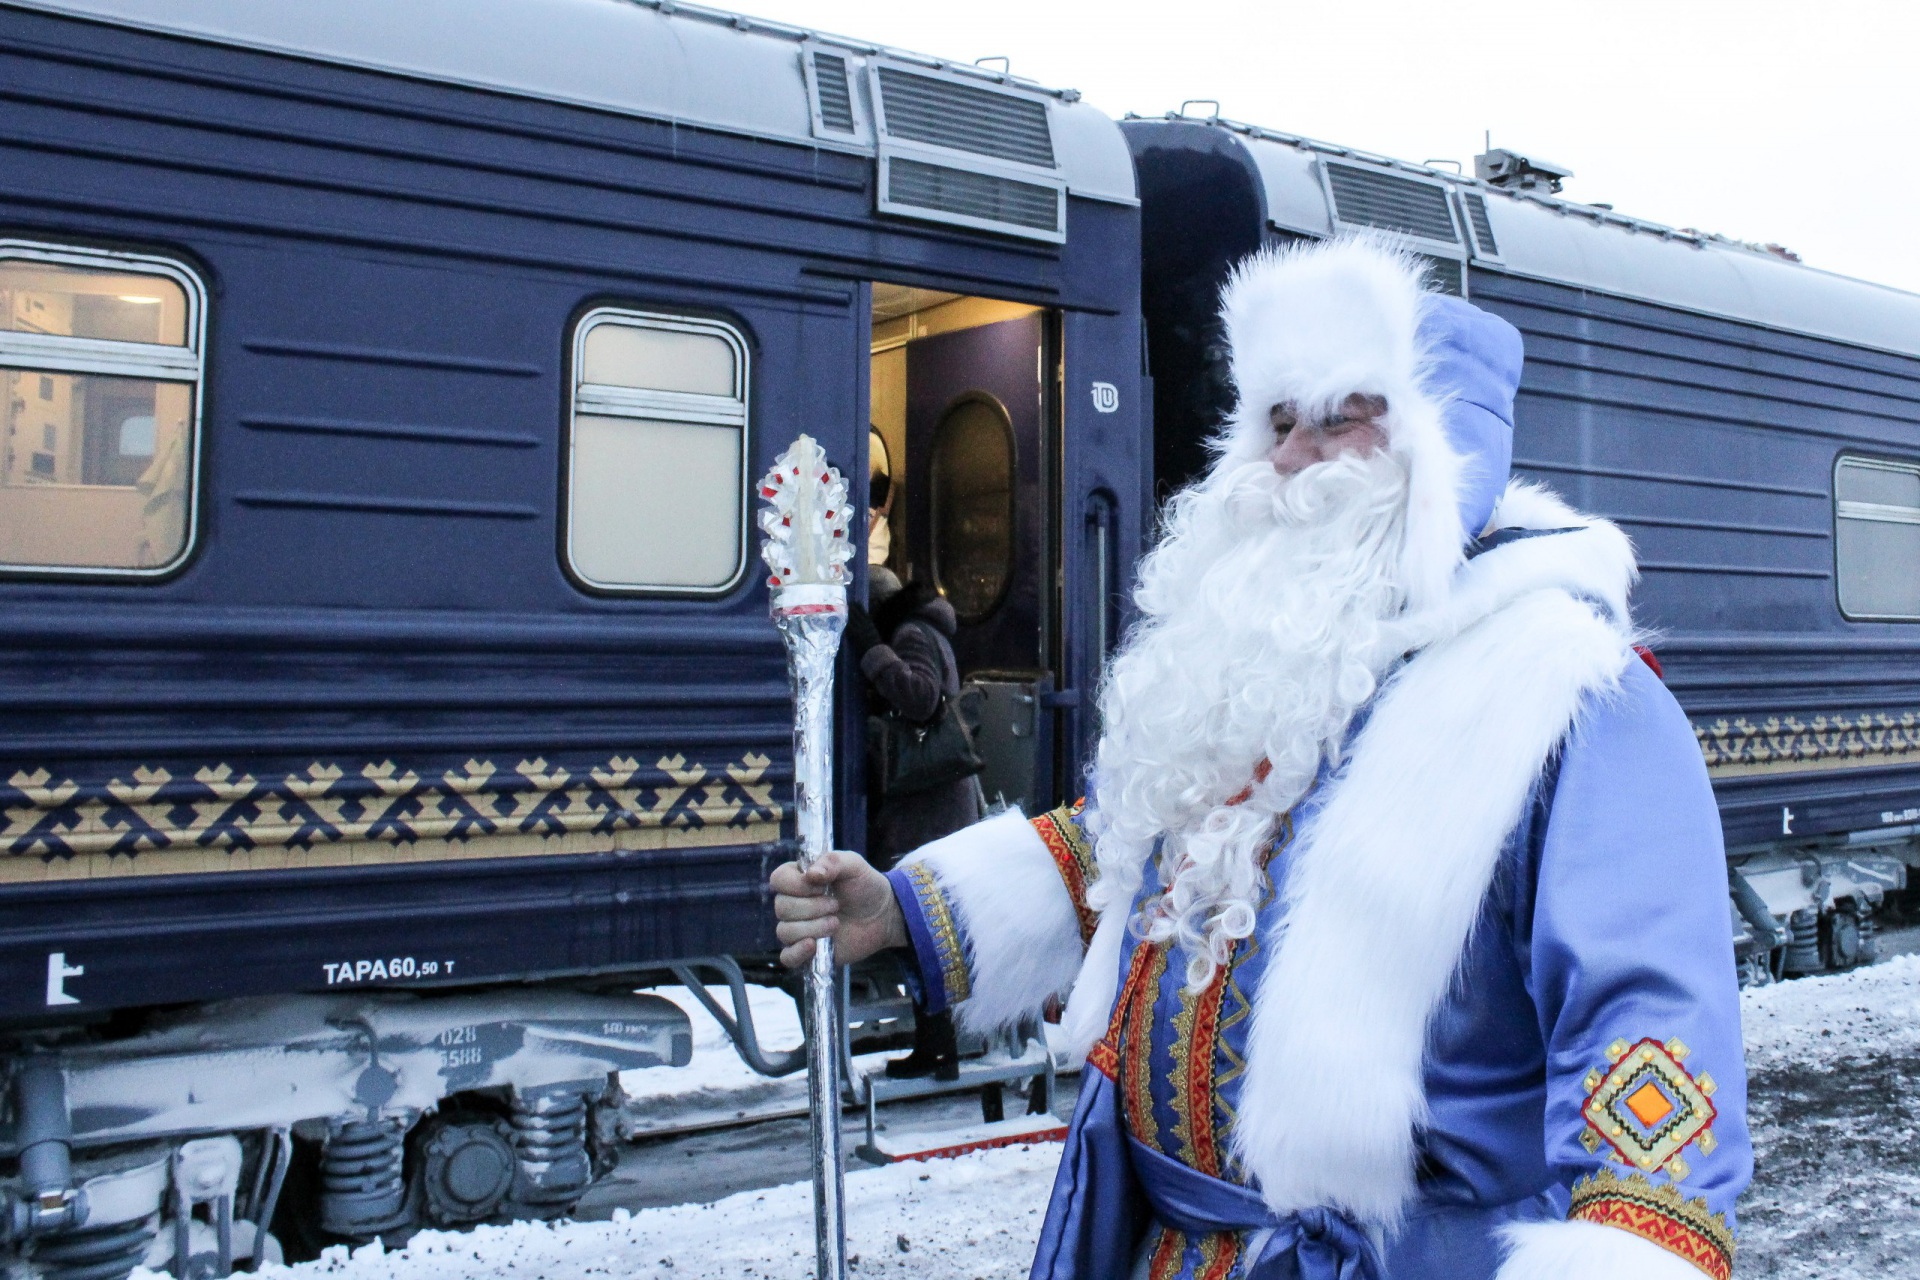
1810	1021
717	1087
1834	1064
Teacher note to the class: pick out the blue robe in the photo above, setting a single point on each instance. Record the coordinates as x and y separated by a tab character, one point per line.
1586	1063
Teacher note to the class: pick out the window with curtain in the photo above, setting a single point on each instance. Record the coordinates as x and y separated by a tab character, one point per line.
1877	538
100	373
656	472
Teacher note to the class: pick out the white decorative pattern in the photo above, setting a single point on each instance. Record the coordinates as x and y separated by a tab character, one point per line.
805	519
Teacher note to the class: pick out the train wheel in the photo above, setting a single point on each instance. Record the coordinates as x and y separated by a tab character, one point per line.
1842	940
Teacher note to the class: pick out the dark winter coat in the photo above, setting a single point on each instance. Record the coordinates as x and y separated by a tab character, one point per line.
910	673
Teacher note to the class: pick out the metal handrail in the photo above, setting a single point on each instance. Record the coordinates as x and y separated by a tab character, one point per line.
739	1024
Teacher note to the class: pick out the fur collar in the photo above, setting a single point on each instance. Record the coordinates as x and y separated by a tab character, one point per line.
1386	880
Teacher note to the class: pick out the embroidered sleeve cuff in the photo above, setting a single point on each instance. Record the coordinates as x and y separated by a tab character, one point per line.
1582	1250
1660	1214
939	950
1072	852
1000	925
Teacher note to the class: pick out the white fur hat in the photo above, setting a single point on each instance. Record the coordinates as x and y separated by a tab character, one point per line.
1315	322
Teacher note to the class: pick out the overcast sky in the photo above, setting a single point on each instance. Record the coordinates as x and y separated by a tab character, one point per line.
1797	123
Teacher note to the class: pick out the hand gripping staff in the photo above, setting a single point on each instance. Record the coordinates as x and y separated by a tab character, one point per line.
804	517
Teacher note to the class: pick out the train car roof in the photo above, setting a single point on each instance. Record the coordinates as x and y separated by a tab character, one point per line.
1315	188
658	59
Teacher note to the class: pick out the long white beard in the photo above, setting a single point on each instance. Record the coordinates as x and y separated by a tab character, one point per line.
1261	633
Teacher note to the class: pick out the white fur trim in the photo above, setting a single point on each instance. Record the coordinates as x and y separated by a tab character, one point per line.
1595	562
1316	322
1016	913
1090	1007
1588	1251
1383	889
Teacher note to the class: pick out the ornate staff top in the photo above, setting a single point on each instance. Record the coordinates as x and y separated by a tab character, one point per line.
805	518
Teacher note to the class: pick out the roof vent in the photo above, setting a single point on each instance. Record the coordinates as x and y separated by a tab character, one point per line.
965	117
1375	198
971	154
835	97
1514	172
1482	225
979	197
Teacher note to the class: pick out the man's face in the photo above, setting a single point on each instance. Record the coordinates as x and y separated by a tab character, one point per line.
1353	428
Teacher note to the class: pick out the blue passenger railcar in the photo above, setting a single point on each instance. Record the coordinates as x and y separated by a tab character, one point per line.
383	388
1752	423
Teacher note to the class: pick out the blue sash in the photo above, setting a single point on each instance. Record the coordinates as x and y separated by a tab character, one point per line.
1314	1244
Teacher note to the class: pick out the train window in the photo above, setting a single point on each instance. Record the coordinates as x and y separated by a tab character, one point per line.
100	368
656	492
972	482
1877	538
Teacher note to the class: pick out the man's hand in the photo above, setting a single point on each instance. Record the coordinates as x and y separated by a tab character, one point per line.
839	897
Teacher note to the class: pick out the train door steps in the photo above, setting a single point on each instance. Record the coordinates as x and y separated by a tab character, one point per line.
939	1142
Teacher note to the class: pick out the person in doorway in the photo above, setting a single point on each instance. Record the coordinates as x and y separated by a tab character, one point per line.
879	502
905	653
1395	923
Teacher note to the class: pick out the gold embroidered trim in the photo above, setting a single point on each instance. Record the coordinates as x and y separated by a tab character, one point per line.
1136	1048
1659	1214
1196	1039
946	933
1168	1255
1072	854
1219	1254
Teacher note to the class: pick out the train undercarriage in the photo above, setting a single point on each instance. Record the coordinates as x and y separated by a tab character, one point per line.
222	1136
1818	908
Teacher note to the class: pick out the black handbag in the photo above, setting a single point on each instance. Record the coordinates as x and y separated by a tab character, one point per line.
909	758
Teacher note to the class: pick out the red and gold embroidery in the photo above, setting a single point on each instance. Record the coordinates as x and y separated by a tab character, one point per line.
1648	1107
1196	1038
1219	1254
1136	1048
1168	1254
1105	1054
1658	1214
1072	853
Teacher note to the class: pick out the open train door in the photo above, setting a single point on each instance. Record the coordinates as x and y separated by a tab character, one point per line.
1016	440
964	408
977	444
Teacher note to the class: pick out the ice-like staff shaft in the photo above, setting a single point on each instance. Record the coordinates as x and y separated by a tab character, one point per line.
807	548
812	634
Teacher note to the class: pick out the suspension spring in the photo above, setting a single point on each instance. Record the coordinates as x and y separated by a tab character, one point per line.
550	1149
98	1253
361	1188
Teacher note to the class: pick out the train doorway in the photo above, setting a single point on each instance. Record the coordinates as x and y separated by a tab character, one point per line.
965	437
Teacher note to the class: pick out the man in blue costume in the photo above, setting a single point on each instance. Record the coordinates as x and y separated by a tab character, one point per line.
1396	919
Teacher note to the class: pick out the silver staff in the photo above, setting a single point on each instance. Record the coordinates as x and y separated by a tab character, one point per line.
807	546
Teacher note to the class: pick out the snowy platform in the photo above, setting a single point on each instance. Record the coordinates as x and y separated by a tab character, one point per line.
1835	1065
